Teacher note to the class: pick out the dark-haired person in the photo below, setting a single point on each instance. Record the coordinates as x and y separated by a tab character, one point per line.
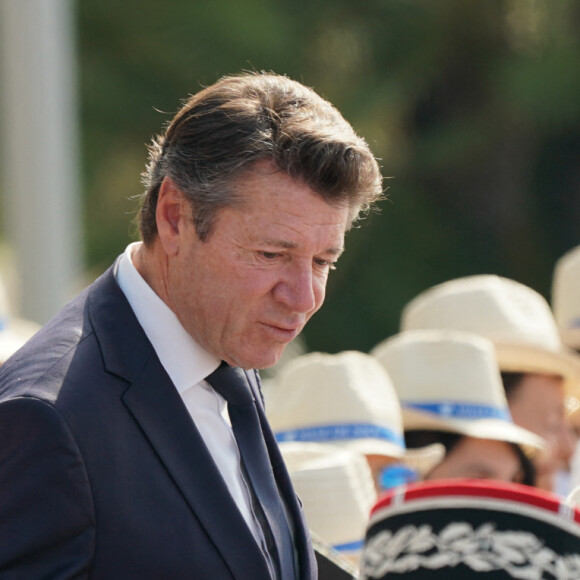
451	393
134	442
521	326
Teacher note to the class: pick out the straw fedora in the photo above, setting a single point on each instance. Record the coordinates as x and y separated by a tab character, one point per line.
449	381
462	528
337	492
514	317
344	399
566	297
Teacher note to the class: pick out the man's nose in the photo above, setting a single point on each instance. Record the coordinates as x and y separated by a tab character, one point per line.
299	289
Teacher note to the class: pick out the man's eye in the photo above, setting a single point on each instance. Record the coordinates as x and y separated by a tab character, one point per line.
325	263
270	255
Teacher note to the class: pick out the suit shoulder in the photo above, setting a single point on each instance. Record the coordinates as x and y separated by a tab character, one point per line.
38	367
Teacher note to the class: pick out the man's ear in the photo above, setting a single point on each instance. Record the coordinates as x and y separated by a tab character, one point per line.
173	213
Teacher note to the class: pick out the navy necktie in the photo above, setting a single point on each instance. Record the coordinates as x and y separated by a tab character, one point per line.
231	383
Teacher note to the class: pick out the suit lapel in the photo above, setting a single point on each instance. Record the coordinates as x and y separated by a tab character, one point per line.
155	404
170	430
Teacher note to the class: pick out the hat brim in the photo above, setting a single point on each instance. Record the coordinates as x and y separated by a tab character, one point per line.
534	359
422	459
497	429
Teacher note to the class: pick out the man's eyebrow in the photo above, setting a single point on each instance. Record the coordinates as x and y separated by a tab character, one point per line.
336	252
279	243
288	245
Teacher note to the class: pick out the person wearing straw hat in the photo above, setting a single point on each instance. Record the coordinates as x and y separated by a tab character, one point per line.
345	400
451	392
538	370
337	492
566	308
461	529
566	297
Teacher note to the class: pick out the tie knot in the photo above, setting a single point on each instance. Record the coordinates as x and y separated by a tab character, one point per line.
231	384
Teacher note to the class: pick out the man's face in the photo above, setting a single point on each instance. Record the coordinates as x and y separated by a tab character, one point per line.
251	286
479	459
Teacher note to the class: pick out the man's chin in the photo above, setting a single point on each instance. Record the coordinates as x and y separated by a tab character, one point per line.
261	360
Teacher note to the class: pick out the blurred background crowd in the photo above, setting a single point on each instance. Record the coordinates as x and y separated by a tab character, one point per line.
446	345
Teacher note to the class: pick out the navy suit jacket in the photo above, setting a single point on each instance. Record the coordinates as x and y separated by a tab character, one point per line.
103	474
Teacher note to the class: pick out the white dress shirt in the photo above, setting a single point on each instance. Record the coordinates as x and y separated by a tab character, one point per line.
187	364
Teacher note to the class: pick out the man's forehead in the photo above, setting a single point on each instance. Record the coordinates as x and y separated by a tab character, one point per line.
266	174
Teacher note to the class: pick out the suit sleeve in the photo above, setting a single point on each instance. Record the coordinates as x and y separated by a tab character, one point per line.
46	510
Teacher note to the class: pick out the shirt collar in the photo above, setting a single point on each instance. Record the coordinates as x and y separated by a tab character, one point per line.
185	361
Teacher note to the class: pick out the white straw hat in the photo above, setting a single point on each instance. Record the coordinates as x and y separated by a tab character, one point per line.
566	297
450	381
514	317
344	399
337	492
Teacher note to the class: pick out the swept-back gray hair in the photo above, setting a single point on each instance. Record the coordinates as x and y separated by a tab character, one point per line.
225	128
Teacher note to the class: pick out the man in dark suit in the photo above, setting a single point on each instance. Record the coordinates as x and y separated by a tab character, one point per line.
133	443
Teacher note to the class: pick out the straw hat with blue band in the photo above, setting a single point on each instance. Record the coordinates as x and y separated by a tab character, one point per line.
450	381
341	432
346	400
337	492
514	317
